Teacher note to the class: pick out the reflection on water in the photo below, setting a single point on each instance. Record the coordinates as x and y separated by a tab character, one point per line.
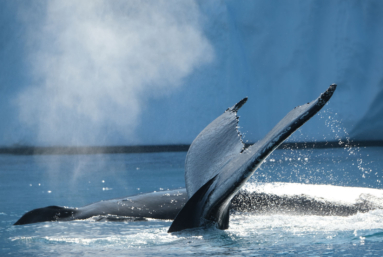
78	180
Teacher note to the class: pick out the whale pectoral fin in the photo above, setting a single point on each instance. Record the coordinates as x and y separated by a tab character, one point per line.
190	214
50	213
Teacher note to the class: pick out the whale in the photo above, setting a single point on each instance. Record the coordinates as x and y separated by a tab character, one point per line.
165	205
156	205
217	166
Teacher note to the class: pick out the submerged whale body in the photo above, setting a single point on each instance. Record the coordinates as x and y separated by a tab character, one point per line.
157	205
217	166
167	204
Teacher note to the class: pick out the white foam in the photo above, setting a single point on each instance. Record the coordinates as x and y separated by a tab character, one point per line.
339	194
248	224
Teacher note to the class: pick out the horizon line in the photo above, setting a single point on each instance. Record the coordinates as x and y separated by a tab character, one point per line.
73	150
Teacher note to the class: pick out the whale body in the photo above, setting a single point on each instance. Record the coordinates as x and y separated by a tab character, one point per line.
156	205
217	166
167	204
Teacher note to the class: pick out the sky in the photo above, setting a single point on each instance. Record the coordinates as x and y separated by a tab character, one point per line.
157	72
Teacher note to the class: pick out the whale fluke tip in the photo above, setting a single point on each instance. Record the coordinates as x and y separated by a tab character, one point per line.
332	87
327	95
237	106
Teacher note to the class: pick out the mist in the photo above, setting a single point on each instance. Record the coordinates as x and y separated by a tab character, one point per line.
106	73
95	64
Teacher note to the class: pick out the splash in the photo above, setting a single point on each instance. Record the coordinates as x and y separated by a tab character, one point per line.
343	163
354	151
96	63
330	193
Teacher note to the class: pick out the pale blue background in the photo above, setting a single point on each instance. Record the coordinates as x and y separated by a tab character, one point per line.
278	53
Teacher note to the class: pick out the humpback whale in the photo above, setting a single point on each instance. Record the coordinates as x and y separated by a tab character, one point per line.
167	204
217	165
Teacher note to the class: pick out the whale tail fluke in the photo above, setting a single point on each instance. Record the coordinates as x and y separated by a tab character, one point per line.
216	156
50	213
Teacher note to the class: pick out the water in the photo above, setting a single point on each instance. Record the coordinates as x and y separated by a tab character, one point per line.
339	175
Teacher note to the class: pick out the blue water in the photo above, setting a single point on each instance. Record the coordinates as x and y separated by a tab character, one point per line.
28	182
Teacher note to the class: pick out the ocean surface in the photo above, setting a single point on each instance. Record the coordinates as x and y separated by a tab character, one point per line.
344	176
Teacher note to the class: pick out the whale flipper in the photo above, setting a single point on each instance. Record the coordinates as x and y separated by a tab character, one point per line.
213	198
